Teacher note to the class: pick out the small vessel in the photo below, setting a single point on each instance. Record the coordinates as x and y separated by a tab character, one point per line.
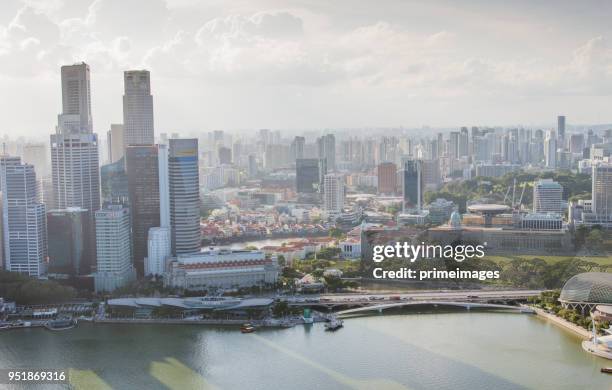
61	324
247	328
606	370
334	324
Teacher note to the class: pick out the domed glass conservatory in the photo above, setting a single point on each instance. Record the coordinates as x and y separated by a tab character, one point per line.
587	290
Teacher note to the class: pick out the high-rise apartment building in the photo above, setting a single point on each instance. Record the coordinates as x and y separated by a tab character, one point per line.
137	108
602	190
326	149
547	196
333	197
184	188
114	252
24	226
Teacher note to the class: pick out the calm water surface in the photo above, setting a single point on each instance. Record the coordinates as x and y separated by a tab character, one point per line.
412	351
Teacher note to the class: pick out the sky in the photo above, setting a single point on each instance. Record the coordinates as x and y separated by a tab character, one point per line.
310	64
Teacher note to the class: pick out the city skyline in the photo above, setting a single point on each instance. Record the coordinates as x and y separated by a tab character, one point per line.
295	66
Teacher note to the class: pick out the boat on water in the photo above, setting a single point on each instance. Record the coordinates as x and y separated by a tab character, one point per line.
606	370
247	328
61	324
334	324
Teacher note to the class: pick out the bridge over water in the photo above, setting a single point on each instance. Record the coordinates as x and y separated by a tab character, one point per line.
468	305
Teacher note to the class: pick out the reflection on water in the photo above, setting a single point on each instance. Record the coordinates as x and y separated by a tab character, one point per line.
427	351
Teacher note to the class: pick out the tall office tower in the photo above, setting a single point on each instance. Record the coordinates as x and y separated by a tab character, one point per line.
453	149
137	108
602	190
24	226
387	178
76	100
576	143
412	188
333	197
67	229
550	150
309	173
297	147
74	148
142	167
547	196
159	249
36	154
225	155
561	129
114	139
184	184
464	142
114	252
326	148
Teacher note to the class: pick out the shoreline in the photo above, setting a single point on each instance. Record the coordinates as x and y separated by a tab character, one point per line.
578	330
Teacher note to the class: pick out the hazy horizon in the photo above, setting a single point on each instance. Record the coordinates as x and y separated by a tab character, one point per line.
311	64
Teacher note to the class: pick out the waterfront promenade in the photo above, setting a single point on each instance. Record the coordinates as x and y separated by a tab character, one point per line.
585	334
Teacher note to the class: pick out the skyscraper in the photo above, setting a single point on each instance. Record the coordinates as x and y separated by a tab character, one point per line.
561	128
142	167
412	174
75	172
76	100
24	226
137	108
114	253
74	147
602	190
184	185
